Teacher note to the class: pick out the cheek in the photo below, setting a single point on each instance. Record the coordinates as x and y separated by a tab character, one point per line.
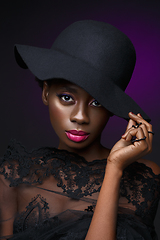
100	120
57	114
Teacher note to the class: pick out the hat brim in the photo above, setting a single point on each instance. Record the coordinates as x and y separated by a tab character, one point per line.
47	64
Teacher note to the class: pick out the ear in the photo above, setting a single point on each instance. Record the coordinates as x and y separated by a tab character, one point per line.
45	93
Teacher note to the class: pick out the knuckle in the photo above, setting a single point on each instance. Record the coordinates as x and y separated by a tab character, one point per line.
146	125
144	146
143	126
149	126
149	149
140	129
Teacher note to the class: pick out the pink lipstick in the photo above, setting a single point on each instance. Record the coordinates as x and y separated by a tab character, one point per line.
77	136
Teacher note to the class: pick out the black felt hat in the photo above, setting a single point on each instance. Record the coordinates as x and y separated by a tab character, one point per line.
94	55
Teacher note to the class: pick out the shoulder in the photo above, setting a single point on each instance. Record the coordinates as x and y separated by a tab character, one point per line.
8	195
5	188
155	168
8	206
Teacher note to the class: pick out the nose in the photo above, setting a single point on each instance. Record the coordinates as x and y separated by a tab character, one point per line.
80	114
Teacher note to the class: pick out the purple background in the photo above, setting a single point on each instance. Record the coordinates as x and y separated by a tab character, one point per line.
37	23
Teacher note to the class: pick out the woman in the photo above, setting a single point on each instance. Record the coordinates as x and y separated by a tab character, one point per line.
82	190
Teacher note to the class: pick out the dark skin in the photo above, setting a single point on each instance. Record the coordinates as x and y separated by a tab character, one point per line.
75	110
70	107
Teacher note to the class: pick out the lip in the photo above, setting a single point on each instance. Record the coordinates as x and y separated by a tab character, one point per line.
78	133
77	136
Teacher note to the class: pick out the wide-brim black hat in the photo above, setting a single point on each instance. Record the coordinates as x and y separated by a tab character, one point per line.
94	55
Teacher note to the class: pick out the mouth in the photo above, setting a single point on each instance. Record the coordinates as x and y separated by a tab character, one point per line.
77	136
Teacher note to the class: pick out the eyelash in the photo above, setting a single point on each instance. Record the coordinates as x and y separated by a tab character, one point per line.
61	96
99	105
65	95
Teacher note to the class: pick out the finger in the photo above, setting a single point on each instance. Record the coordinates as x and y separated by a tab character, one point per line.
139	148
138	118
136	133
129	126
149	137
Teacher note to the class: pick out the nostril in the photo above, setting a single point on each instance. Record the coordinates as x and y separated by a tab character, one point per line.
80	118
80	113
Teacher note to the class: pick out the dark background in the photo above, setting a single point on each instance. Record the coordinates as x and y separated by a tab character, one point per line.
37	23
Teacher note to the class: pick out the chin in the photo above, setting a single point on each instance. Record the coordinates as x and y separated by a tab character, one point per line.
73	146
79	145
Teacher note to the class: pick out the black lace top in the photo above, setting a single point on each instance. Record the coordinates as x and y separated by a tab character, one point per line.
56	192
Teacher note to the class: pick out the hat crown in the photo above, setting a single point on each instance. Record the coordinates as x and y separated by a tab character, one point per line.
94	55
102	46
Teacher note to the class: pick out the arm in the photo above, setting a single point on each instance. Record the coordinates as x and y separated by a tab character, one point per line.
103	224
8	207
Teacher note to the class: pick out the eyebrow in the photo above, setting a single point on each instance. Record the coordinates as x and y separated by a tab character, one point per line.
68	89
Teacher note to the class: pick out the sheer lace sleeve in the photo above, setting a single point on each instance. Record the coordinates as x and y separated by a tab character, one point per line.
141	187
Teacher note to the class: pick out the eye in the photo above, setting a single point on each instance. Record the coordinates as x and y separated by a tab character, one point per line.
95	103
66	97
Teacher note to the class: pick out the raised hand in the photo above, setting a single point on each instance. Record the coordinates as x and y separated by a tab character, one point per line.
134	144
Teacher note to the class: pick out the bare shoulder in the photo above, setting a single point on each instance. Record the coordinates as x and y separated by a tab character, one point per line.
8	207
155	168
8	199
3	182
6	192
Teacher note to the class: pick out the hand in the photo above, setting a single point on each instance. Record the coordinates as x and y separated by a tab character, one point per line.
124	152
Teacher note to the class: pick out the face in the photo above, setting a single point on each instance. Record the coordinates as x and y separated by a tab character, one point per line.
77	118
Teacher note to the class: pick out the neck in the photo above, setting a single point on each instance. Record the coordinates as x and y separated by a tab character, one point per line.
94	153
90	153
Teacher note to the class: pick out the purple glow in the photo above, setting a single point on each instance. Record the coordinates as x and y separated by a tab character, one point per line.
138	19
37	23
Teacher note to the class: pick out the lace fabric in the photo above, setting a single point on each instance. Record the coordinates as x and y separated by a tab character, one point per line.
73	194
77	224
